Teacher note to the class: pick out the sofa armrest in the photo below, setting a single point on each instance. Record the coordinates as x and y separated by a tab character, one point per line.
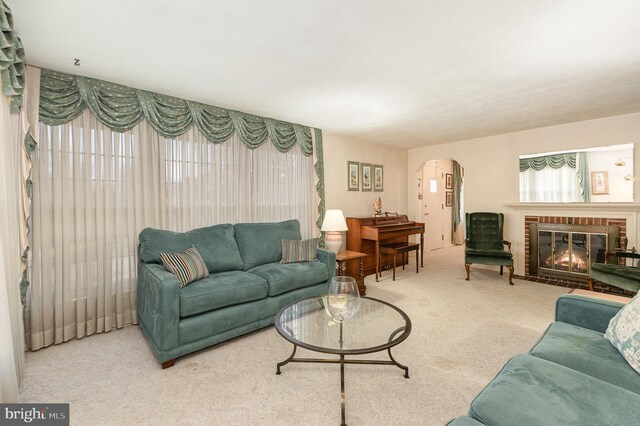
158	305
327	257
587	312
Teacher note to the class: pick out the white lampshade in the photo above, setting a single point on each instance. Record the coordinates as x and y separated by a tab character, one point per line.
334	221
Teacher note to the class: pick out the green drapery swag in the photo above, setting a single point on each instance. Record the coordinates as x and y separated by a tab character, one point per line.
319	167
455	198
63	97
554	161
575	160
583	177
12	67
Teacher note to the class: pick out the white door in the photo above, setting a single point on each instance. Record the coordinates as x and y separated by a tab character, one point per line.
433	206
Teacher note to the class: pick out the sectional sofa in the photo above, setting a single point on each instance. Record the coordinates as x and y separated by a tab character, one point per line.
245	289
571	376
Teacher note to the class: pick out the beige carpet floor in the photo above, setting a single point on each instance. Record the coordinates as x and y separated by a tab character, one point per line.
463	332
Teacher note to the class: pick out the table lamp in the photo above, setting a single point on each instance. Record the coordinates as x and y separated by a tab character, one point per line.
332	225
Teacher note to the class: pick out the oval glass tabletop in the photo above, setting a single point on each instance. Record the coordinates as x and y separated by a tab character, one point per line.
377	326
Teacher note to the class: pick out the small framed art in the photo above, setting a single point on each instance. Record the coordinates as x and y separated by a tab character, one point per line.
378	178
599	183
365	176
353	176
448	181
448	198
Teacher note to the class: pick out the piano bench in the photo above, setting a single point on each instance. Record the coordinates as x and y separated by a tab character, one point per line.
399	248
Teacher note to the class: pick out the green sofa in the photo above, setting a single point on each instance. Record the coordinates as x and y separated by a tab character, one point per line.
245	289
571	376
624	277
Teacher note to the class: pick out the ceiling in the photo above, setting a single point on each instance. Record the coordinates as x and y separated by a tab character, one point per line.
406	73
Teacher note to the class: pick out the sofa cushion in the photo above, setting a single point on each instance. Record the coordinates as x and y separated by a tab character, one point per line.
261	243
187	266
489	253
534	391
216	244
586	351
220	290
283	277
624	333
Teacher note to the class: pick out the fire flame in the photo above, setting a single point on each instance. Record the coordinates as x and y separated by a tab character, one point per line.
566	258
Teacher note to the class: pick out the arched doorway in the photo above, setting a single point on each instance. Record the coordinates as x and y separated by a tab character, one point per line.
438	203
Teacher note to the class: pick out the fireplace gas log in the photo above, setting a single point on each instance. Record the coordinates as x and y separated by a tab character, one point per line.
561	251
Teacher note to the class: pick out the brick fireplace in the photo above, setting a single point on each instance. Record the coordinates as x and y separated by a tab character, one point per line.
518	217
615	228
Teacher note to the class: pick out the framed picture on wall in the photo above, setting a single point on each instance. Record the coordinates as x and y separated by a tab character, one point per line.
448	181
365	176
353	176
449	199
599	183
378	178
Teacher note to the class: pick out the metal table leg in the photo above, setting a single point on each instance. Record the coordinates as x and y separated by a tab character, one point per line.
342	408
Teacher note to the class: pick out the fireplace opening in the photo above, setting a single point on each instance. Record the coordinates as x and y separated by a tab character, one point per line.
563	251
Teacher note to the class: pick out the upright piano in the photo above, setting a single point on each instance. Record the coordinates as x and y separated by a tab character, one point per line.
366	234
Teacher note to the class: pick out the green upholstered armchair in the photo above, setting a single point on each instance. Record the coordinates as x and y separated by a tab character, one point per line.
484	243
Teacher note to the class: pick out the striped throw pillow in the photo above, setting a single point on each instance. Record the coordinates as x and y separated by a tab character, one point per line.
299	250
187	266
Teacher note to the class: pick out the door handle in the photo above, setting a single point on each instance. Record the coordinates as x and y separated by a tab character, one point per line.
426	214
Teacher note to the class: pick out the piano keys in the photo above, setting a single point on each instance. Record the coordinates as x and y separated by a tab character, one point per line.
366	234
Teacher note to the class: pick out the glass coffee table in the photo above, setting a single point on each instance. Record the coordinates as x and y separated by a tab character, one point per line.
377	326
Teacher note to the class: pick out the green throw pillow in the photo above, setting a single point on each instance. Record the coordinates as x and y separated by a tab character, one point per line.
187	266
299	250
624	332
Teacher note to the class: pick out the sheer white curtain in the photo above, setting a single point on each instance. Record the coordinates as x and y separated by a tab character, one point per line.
11	334
95	190
549	185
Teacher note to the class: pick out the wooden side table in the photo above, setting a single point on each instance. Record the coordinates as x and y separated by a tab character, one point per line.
342	257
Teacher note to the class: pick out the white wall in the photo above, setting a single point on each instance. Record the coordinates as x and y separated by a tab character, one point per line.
491	163
338	150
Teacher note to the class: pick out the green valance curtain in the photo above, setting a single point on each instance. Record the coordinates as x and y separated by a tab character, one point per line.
554	161
12	67
64	97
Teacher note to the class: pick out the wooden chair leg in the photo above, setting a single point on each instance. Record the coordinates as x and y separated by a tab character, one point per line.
168	364
590	283
416	261
403	253
467	267
510	268
500	269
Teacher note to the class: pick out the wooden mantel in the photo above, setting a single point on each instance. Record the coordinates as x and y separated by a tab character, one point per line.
576	207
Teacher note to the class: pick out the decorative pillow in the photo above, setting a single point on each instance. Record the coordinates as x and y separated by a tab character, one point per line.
187	266
624	332
299	250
